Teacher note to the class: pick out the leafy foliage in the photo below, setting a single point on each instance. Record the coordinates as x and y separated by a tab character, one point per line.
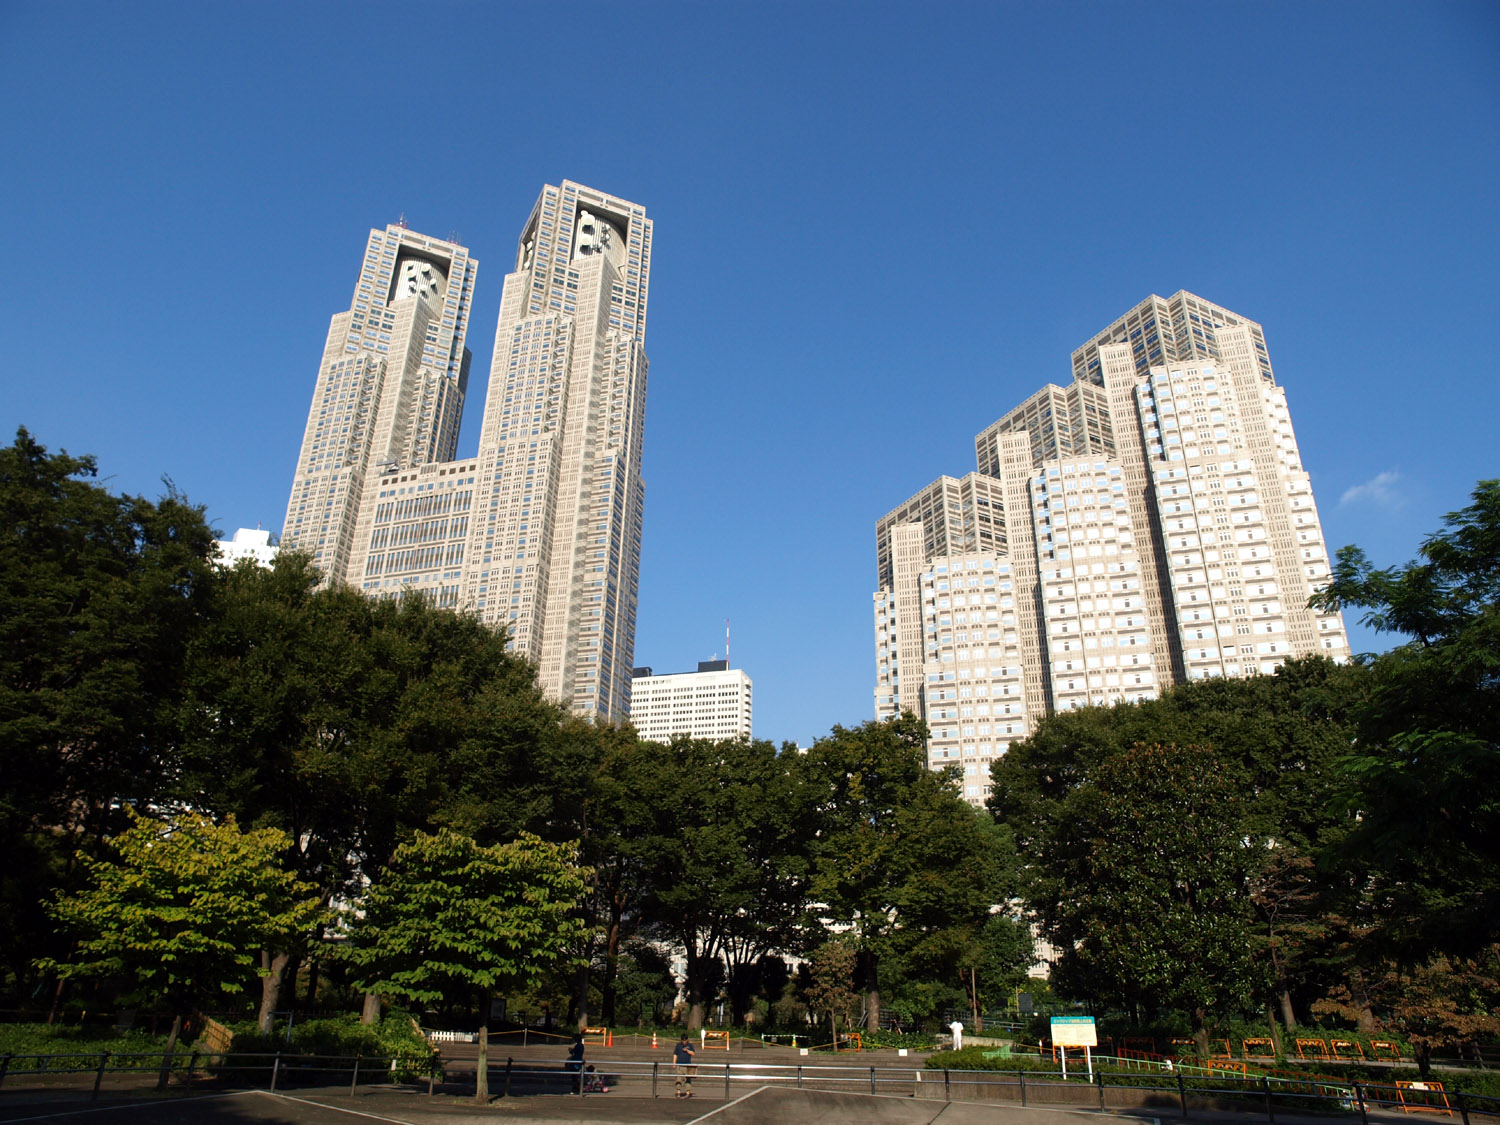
184	909
450	917
1427	772
898	857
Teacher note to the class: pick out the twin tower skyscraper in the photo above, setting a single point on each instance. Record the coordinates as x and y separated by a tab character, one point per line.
541	531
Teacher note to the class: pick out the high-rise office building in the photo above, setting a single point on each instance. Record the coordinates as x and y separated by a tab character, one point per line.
390	388
1149	524
541	530
714	702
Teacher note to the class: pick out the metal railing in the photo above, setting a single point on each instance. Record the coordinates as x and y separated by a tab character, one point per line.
190	1068
1179	1089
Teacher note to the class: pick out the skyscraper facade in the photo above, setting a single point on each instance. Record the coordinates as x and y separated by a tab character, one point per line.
1151	523
541	530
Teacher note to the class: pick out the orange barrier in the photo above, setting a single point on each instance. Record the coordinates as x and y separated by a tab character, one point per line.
1427	1090
1226	1065
1148	1045
1225	1053
1349	1045
1384	1049
1262	1048
716	1040
852	1041
1178	1041
1319	1048
599	1036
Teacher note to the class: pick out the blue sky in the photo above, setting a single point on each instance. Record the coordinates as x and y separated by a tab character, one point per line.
878	227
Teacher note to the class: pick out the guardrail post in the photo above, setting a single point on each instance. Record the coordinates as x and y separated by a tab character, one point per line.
192	1066
872	1080
508	1063
432	1072
1182	1094
99	1075
354	1082
947	1093
655	1073
799	1076
1270	1111
1463	1105
275	1071
1359	1095
1099	1077
726	1082
4	1066
1022	1075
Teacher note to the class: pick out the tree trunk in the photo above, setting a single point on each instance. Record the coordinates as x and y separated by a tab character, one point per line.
1423	1050
273	965
1364	1018
289	980
1288	1015
1200	1032
611	972
482	1067
312	982
868	971
166	1060
581	983
833	1023
370	1016
695	1015
1275	1031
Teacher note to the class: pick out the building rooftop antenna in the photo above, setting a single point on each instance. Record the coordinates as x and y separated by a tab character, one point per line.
726	642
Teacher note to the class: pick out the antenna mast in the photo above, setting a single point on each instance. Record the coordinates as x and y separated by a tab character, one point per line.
726	642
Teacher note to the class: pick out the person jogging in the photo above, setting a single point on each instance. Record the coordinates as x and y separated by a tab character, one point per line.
682	1055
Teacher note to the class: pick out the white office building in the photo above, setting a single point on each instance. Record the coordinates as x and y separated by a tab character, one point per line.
715	702
1154	523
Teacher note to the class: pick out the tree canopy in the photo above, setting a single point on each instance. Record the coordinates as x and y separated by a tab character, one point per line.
184	909
450	918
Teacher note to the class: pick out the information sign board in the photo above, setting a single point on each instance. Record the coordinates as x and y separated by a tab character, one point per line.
1074	1031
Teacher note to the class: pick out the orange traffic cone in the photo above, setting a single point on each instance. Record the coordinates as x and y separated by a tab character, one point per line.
653	1039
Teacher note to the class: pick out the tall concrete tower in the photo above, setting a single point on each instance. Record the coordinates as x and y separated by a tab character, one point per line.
390	389
541	531
555	546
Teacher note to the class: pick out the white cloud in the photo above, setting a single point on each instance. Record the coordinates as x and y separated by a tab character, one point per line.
1379	490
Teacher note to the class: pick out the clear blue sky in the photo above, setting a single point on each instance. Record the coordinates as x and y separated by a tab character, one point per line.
878	227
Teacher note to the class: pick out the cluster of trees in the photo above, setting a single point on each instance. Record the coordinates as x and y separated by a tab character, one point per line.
419	823
1318	842
411	816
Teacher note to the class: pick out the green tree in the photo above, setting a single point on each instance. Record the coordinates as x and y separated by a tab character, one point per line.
724	870
1141	882
183	910
450	920
351	723
99	595
898	857
1425	776
831	987
1279	741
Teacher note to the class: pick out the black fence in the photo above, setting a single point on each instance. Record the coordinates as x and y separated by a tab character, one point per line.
88	1074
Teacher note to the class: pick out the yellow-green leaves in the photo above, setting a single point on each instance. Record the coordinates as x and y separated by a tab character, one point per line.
185	909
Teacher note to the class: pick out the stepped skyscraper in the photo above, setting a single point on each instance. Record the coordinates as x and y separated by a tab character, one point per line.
541	531
1148	524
